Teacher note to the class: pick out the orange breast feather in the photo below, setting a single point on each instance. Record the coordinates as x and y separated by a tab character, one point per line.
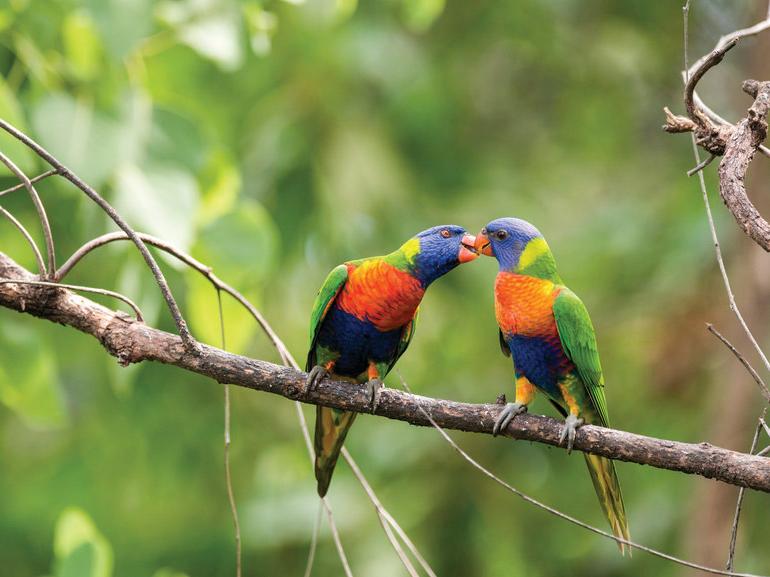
380	293
524	305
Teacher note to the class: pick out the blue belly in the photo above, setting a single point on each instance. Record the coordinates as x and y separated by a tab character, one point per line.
539	360
357	341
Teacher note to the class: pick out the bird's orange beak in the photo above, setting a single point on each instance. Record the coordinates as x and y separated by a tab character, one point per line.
467	248
482	245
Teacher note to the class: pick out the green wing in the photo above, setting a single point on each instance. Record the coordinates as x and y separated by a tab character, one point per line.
579	341
326	295
406	337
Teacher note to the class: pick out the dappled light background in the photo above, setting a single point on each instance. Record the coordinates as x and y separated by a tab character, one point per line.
274	140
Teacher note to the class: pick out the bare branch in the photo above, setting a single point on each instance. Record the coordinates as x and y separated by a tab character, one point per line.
741	147
754	375
27	183
181	325
31	241
133	342
741	493
34	180
78	288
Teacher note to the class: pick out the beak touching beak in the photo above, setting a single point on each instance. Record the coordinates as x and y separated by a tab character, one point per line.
482	245
467	248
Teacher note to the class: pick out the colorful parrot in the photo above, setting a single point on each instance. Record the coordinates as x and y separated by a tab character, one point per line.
546	330
363	320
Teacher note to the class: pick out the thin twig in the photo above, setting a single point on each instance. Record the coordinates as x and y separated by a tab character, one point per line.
386	525
314	541
702	165
181	324
336	537
564	516
764	451
25	233
757	379
739	503
45	225
85	289
34	180
228	475
764	426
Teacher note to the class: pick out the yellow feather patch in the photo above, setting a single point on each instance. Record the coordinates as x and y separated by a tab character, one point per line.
410	249
533	250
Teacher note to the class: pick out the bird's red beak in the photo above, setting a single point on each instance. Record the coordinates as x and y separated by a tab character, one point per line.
467	248
482	244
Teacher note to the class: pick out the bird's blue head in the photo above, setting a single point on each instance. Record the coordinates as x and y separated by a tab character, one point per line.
434	252
518	247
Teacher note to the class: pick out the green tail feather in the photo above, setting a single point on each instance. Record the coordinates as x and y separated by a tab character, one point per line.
608	491
331	428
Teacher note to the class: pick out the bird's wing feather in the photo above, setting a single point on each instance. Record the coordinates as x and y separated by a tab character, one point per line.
503	344
406	337
579	341
326	295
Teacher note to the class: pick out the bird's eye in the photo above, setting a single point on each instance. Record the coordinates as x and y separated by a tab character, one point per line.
501	234
445	233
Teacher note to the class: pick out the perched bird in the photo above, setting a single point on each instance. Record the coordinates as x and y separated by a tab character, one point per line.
546	330
363	320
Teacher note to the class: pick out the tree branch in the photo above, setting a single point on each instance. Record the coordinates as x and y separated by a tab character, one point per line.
132	342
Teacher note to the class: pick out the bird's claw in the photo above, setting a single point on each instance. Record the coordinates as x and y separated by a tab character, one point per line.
571	424
506	416
317	374
373	387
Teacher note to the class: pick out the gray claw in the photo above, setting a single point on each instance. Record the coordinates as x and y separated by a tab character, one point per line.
571	424
506	416
373	387
317	374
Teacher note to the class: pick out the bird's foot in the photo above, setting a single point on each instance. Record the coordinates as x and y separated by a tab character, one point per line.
507	415
317	374
373	387
571	424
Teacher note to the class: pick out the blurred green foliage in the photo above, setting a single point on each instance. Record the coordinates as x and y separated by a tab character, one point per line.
276	139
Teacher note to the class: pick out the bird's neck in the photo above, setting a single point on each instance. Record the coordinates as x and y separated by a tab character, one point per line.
536	260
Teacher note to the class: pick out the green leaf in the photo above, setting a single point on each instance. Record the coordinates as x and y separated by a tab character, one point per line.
80	550
29	384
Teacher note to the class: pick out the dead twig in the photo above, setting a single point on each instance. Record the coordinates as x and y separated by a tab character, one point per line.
27	183
31	241
754	375
34	180
85	289
739	502
189	342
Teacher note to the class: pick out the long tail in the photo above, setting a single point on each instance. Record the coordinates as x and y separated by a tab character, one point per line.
607	488
331	428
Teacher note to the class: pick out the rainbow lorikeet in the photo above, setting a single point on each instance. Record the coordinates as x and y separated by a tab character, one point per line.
546	330
363	320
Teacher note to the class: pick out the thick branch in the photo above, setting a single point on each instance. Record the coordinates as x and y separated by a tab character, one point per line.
747	135
133	342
